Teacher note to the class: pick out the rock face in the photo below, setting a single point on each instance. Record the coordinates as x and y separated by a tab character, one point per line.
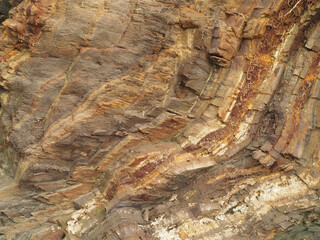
157	119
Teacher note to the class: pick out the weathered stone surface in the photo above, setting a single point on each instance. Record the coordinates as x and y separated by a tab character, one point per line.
157	119
313	42
255	28
227	35
258	154
267	161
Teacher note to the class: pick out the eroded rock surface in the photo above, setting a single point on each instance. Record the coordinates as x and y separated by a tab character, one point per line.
156	119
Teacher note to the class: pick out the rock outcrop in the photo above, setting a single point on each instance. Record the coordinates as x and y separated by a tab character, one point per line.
157	119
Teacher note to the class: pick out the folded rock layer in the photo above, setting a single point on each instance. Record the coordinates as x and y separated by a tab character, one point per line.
157	119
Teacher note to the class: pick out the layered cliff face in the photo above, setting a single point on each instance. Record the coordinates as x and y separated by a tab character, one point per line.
157	119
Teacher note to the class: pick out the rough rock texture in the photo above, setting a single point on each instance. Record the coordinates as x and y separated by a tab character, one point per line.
158	119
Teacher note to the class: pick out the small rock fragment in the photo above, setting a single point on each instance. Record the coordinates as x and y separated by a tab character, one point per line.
266	147
81	201
267	161
286	224
258	154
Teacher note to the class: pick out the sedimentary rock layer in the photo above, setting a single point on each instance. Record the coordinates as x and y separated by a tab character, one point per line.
156	119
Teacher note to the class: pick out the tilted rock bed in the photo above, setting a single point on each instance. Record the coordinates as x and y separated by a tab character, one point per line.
157	119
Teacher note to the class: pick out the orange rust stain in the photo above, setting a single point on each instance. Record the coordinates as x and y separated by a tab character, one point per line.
137	161
119	104
303	95
127	144
30	18
183	235
146	169
111	191
258	65
149	178
226	175
167	129
125	177
10	55
266	59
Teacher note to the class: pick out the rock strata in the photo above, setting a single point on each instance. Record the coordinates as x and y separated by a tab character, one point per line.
156	119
